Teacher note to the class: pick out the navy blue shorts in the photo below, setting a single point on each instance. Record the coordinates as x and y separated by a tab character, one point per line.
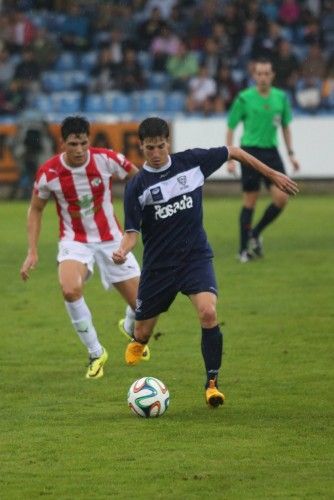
251	179
158	288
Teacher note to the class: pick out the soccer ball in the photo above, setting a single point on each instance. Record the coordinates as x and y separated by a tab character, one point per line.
148	397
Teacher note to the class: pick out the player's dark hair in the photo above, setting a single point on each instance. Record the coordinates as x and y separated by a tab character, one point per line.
263	60
74	125
153	127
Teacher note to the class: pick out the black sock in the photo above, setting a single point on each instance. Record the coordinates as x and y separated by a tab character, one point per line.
246	216
143	342
270	214
212	350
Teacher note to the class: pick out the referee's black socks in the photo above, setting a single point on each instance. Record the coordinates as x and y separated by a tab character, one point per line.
246	216
270	214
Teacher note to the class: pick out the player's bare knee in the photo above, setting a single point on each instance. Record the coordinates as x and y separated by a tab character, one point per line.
71	293
207	315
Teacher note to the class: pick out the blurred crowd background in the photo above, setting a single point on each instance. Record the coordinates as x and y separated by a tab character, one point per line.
166	56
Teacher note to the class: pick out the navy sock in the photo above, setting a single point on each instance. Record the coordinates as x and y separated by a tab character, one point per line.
246	216
270	214
212	350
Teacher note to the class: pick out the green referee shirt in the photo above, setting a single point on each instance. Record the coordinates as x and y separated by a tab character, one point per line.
261	116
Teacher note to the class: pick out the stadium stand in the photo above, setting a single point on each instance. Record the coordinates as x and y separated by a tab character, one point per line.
51	49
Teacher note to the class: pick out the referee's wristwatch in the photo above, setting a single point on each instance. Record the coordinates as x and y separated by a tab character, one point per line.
290	152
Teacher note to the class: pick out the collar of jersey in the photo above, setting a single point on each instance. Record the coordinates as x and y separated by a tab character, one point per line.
84	165
158	170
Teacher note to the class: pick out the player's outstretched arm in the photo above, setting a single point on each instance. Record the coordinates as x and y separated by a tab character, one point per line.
282	181
128	242
34	223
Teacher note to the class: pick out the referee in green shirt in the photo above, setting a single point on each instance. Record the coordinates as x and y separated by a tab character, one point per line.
262	109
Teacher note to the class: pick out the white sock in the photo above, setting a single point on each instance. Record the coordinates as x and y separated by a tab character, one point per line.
82	321
129	322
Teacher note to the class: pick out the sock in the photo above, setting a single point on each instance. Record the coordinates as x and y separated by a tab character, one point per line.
212	350
129	322
82	321
270	214
246	216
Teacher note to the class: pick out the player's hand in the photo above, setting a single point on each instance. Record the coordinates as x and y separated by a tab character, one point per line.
119	257
284	183
294	163
232	167
29	264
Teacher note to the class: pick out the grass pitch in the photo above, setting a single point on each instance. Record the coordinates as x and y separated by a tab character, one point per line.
65	437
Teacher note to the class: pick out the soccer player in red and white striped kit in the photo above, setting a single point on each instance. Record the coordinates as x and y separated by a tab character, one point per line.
80	180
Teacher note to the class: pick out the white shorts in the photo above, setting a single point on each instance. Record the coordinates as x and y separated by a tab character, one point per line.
100	253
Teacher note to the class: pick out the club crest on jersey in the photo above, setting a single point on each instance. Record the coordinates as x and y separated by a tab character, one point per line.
156	193
96	181
182	179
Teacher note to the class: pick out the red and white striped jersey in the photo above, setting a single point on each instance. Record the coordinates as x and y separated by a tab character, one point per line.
83	194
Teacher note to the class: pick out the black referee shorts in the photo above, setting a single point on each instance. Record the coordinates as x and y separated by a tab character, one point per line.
251	179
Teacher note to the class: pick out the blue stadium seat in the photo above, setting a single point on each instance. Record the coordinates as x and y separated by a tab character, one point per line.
158	80
94	103
53	81
42	103
145	60
66	102
88	60
148	101
67	61
117	102
175	102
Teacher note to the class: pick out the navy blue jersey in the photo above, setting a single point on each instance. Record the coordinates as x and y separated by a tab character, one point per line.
165	205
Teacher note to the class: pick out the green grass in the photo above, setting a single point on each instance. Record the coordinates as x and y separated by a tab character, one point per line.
64	437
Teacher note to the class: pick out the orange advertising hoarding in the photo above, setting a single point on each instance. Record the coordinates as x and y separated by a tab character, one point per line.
121	137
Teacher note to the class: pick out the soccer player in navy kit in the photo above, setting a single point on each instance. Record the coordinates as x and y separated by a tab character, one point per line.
164	202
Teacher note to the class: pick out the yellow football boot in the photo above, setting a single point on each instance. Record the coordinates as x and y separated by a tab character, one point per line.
95	367
213	397
146	352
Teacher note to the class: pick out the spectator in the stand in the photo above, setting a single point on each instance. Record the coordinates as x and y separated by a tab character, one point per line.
116	45
202	24
270	40
75	29
286	67
130	76
21	31
270	9
211	57
31	146
178	21
104	73
201	93
7	67
254	13
149	29
28	71
327	22
181	67
165	44
227	89
314	65
312	33
249	47
12	98
233	20
45	49
312	71
289	14
222	39
165	7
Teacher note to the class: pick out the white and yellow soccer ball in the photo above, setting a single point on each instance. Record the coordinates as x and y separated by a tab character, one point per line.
148	397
